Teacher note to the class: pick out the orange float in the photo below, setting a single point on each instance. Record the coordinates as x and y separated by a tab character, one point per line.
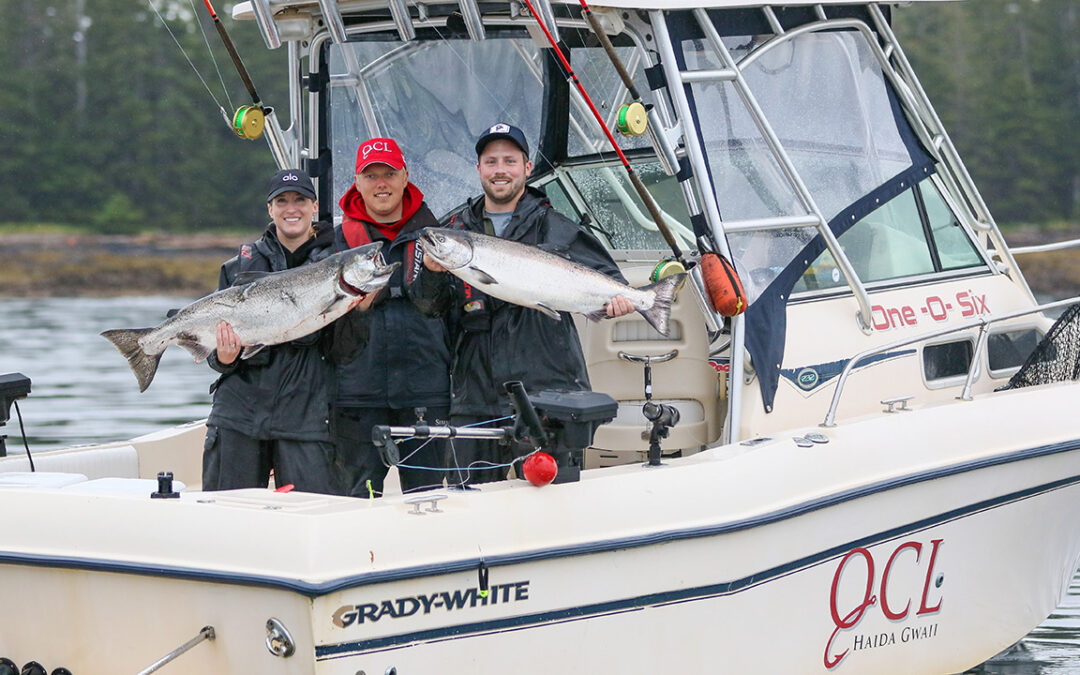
722	283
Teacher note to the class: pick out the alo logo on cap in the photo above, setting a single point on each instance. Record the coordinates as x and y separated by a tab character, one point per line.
499	129
290	177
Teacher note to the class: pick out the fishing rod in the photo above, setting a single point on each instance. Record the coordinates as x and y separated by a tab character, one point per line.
639	187
248	121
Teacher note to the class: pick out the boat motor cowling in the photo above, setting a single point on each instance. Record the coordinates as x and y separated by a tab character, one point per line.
13	386
570	419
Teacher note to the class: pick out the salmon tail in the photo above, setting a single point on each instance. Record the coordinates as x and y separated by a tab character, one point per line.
660	312
142	364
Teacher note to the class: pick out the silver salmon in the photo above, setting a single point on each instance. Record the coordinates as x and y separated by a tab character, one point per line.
269	310
530	277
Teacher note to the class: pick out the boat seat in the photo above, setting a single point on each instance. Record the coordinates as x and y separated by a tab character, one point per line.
689	382
120	461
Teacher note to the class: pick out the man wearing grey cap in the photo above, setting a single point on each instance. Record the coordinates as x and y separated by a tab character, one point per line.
496	341
271	410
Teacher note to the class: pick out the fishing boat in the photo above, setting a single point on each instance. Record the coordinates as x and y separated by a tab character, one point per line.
874	469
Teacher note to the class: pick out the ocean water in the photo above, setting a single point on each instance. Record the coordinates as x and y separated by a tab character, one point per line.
82	390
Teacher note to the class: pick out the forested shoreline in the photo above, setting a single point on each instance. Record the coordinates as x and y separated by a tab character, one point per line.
107	127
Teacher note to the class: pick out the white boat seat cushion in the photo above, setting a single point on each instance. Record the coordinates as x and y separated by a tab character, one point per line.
689	381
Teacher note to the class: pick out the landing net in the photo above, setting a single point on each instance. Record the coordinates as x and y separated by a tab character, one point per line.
1056	358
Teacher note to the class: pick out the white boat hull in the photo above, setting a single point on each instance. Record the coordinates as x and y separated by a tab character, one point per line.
734	558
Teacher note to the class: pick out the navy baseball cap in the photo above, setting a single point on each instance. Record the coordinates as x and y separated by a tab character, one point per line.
290	180
502	131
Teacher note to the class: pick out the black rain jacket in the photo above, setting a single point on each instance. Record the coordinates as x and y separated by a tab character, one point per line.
496	341
283	391
406	361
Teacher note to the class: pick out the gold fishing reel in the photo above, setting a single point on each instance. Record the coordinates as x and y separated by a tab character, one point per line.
249	122
666	268
633	119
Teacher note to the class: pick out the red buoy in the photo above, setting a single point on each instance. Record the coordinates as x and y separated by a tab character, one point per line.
540	469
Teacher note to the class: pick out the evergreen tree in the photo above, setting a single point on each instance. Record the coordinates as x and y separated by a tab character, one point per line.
105	124
1004	76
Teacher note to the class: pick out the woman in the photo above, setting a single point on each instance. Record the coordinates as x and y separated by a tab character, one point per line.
272	411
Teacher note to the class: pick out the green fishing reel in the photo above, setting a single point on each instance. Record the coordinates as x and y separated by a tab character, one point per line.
665	268
633	119
249	122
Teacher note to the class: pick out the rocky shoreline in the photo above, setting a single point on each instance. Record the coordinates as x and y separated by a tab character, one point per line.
86	265
63	265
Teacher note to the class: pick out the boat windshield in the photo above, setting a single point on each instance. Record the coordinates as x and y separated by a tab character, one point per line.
825	96
400	91
381	87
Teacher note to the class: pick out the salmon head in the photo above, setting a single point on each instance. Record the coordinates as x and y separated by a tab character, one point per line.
365	270
452	249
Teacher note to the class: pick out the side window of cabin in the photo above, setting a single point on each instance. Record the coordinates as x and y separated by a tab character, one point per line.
954	248
889	242
908	236
560	200
946	362
1006	351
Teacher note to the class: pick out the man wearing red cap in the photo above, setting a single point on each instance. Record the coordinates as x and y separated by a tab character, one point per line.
402	375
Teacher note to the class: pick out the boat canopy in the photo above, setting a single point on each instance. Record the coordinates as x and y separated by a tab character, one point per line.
778	130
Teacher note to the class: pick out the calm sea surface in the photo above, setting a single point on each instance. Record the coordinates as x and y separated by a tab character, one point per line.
83	392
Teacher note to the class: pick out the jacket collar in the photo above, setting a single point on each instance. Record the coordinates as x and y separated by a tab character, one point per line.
532	200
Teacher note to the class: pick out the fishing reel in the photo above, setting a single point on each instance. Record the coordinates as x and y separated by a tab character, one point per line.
666	268
249	121
662	417
633	119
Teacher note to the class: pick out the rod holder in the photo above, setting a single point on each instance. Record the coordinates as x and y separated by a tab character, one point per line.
547	15
275	138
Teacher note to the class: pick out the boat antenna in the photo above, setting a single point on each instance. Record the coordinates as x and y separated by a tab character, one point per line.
248	121
639	187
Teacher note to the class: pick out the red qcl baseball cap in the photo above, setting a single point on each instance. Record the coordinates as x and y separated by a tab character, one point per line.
379	151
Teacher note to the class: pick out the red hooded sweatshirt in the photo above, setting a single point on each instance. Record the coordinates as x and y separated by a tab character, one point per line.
356	215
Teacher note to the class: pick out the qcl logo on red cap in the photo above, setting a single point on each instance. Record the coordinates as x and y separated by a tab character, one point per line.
374	146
